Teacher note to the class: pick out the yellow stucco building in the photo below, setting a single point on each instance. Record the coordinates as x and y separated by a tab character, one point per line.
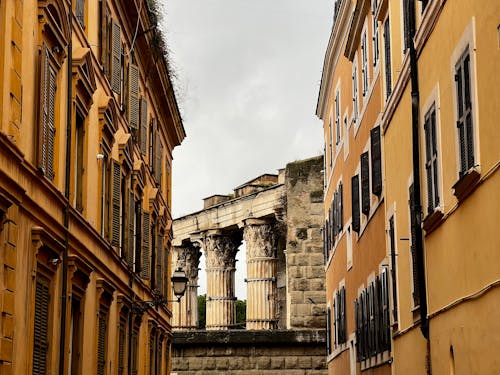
88	122
436	101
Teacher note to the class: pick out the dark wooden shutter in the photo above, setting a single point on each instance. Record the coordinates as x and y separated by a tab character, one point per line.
376	154
121	347
340	221
357	318
159	262
51	122
166	263
101	343
133	96
144	126
428	163
413	249
392	242
158	159
355	203
146	250
343	325
104	35
138	237
131	229
40	343
387	50
328	331
365	184
115	202
378	316
134	350
464	122
386	342
116	56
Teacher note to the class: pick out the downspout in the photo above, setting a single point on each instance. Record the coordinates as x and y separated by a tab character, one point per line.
417	202
64	291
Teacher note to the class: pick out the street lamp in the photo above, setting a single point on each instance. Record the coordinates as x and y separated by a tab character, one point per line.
179	284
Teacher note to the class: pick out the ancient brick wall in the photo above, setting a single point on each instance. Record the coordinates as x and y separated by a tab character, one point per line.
279	352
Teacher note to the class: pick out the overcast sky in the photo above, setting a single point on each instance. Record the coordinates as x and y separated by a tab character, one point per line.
248	74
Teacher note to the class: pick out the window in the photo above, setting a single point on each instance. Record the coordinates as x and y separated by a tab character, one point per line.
41	325
431	160
392	250
413	249
134	348
115	71
406	25
464	113
387	57
328	331
79	155
372	319
340	317
80	12
47	128
336	9
76	330
330	128
122	344
376	159
354	92
131	227
376	53
355	203
337	117
146	249
365	184
144	126
116	204
133	97
364	63
105	195
102	327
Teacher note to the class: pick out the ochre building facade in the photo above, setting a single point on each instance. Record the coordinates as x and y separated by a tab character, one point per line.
408	99
88	121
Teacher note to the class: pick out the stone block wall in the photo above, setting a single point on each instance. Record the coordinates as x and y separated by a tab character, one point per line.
279	352
305	268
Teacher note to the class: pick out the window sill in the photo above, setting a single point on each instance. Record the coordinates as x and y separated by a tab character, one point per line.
376	360
432	220
466	184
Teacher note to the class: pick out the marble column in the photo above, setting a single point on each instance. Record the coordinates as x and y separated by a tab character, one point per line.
220	252
185	313
261	239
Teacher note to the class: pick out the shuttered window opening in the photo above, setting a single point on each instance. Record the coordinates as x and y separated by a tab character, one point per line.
376	53
431	160
116	58
47	116
159	263
355	93
328	331
131	230
372	319
365	184
355	203
101	342
80	12
104	36
337	118
464	113
41	325
158	160
121	347
376	156
364	63
134	349
413	249
138	237
340	214
387	57
144	126
406	25
340	317
116	200
133	96
146	250
392	244
166	278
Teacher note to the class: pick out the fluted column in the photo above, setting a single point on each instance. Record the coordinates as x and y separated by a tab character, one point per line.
261	242
185	313
220	251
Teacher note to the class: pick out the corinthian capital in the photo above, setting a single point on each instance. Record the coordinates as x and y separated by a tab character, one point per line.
188	258
261	239
221	250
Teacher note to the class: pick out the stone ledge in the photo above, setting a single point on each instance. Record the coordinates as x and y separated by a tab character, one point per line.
249	337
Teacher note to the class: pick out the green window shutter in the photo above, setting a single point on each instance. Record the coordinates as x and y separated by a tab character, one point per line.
146	250
376	155
115	203
41	320
133	96
365	184
355	203
144	126
116	56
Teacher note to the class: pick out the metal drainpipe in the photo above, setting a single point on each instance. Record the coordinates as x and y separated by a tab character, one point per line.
417	202
64	291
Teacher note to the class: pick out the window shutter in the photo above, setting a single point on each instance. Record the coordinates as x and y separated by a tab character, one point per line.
355	203
333	208
121	348
115	203
80	12
51	123
116	56
328	331
131	229
138	237
343	327
101	344
413	223
40	342
144	125
357	318
378	315
392	241
387	50
365	184
133	96
166	278
104	37
146	250
428	163
339	209
158	159
159	263
376	155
